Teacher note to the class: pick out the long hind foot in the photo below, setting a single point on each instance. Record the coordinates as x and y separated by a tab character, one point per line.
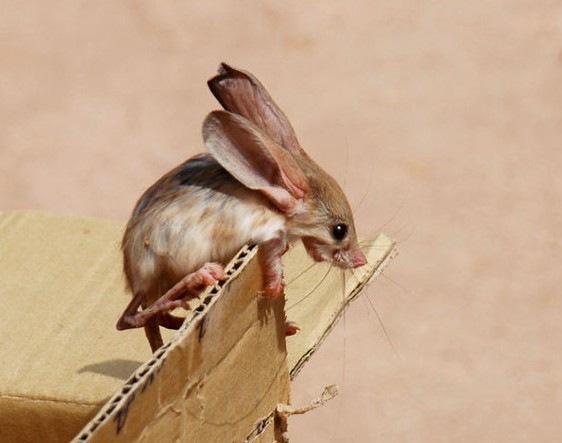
170	321
152	332
188	287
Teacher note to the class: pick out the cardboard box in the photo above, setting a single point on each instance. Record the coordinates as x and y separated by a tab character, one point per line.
64	367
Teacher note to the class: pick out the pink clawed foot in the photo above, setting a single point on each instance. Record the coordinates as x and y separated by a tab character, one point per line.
188	287
192	284
208	275
291	328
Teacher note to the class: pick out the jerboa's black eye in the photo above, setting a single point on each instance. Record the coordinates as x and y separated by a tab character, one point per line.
339	231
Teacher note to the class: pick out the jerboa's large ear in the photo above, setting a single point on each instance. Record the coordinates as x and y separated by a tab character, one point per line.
242	93
254	159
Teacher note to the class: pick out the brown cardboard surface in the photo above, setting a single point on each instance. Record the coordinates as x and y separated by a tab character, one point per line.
204	385
215	380
61	356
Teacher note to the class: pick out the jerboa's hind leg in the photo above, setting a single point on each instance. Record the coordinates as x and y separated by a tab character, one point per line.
158	313
170	321
151	325
177	296
152	331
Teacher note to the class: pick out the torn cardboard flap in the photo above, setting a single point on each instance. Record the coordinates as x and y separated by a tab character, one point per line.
219	378
317	294
203	385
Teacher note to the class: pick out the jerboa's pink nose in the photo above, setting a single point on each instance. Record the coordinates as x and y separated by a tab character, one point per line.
358	259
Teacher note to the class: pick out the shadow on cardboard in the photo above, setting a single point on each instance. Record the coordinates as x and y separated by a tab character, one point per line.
118	368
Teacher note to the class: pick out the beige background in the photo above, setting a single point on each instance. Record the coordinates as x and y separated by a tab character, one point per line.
443	118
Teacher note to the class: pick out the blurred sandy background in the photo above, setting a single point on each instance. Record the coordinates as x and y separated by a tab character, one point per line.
445	117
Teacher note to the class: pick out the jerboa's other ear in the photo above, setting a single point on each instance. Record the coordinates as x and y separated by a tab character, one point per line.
254	159
242	93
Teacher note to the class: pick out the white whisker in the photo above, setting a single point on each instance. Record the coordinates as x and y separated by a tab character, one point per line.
313	289
382	326
300	274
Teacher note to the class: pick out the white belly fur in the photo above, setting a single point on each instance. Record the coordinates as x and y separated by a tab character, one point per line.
182	241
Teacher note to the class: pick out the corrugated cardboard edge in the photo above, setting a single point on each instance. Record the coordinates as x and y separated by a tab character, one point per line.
270	426
318	314
117	411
